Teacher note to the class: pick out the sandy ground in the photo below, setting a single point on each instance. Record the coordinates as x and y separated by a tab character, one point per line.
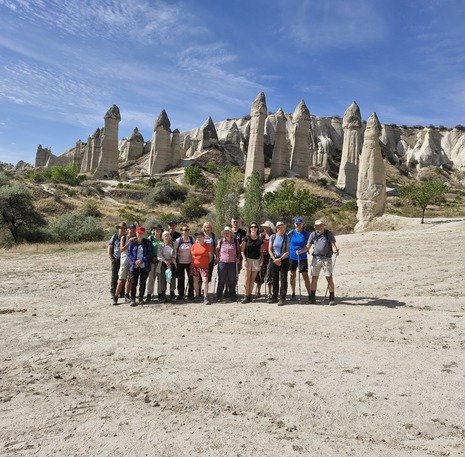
380	374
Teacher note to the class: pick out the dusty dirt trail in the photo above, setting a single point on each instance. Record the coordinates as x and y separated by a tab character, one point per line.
380	374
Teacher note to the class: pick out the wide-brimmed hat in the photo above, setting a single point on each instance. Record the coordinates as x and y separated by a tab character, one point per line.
226	229
318	222
279	223
140	229
268	224
121	225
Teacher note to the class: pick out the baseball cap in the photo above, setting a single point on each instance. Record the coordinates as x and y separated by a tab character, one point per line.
132	226
140	229
298	220
172	223
318	222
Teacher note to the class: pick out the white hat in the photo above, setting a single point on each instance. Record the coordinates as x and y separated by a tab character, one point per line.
226	229
279	223
268	224
318	222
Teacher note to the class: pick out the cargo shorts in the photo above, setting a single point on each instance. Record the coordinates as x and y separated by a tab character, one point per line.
325	263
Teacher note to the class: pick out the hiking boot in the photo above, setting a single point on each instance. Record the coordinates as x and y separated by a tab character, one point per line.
133	302
114	301
312	297
198	299
281	302
206	302
172	296
127	298
272	300
141	300
332	300
247	299
148	299
293	296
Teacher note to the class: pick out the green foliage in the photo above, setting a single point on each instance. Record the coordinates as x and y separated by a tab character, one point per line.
4	179
211	167
287	202
166	191
90	208
227	192
65	174
350	205
132	215
166	217
253	199
424	193
73	228
17	211
192	208
193	175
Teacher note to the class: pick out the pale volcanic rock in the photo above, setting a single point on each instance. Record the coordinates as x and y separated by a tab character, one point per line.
78	154
176	151
42	156
301	155
280	158
86	158
255	161
107	166
234	135
133	148
351	148
160	153
95	148
427	150
209	137
371	187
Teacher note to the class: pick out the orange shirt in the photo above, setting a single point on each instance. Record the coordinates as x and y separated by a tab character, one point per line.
200	258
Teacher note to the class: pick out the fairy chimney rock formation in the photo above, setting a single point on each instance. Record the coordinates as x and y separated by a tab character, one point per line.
351	147
134	146
42	156
280	158
234	135
176	152
78	154
86	158
107	166
255	152
371	187
209	135
160	153
301	156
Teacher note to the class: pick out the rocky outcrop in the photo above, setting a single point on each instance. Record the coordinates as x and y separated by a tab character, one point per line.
133	148
107	166
371	187
209	137
42	156
280	159
255	161
78	154
301	155
351	148
427	150
160	153
176	153
86	158
95	148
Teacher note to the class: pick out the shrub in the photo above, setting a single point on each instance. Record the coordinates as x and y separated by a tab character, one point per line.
90	208
192	208
193	175
253	199
166	191
73	227
166	217
65	174
227	192
4	180
131	215
211	167
287	202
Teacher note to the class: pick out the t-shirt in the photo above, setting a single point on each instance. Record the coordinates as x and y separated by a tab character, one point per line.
240	235
200	258
174	235
184	249
115	242
252	247
265	243
155	244
279	244
321	243
228	251
210	240
298	241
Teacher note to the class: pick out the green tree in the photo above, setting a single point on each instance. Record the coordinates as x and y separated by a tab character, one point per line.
17	211
74	227
253	199
227	192
287	202
424	193
192	208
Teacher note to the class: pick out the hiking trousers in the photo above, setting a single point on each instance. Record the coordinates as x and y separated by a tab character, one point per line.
115	264
181	270
279	275
138	276
226	277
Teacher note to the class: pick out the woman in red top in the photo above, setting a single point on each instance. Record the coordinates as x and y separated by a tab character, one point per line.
202	255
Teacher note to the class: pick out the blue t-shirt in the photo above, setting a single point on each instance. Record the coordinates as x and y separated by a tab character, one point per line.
278	245
298	241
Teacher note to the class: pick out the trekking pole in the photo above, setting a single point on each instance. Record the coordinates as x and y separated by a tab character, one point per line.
327	285
298	274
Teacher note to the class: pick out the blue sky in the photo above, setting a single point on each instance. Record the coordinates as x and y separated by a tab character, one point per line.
64	63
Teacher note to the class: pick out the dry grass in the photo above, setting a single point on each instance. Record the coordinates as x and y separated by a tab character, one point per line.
41	248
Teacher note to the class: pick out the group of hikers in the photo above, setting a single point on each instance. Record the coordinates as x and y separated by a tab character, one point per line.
180	262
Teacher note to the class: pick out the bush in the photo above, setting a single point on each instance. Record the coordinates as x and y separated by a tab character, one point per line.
65	174
166	191
90	208
73	227
4	179
131	215
253	199
227	192
192	208
287	202
211	167
166	217
193	175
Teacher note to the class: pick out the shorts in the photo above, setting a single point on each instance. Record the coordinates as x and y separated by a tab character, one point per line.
123	272
197	272
303	265
322	262
253	265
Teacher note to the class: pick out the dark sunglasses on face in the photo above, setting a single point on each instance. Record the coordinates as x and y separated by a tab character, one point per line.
185	230
254	226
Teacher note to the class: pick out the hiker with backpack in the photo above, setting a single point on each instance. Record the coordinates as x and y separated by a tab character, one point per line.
264	276
155	239
140	255
228	254
114	252
210	239
124	275
252	256
323	245
278	249
298	240
166	267
182	249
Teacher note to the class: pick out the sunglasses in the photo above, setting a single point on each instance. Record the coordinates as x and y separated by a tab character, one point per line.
185	230
254	226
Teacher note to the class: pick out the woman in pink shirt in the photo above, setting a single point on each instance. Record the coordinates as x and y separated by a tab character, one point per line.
228	255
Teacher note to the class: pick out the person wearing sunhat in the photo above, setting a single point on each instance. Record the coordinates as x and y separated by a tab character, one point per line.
264	275
155	240
322	245
114	253
140	255
278	249
228	253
